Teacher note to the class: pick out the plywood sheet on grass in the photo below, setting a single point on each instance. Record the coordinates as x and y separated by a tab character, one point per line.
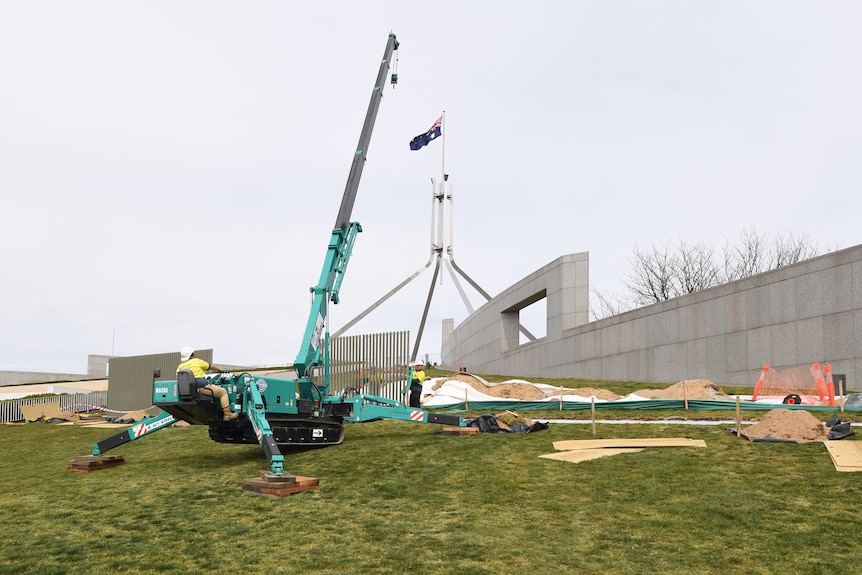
846	455
578	455
47	410
96	424
648	442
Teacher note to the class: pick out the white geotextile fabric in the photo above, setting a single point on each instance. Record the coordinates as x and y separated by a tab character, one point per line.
452	391
456	391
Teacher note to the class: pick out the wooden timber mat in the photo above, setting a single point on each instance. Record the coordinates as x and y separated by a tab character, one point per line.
578	455
846	455
576	451
270	485
96	424
647	442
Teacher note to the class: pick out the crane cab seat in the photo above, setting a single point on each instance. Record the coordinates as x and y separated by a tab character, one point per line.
187	388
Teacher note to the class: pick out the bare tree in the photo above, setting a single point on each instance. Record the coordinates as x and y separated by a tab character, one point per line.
653	275
790	249
672	270
607	305
696	269
747	257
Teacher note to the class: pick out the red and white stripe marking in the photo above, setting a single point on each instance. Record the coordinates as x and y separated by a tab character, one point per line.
416	415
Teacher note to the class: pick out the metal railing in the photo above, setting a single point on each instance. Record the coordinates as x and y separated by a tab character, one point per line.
10	409
374	363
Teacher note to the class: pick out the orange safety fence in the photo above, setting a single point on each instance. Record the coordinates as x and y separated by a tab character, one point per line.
803	383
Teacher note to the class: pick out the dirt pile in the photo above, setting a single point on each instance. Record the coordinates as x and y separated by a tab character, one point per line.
507	418
688	389
787	424
589	392
525	391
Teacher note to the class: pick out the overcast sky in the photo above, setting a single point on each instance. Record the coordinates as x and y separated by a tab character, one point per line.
170	171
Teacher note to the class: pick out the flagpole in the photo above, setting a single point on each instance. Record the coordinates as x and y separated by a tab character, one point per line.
443	185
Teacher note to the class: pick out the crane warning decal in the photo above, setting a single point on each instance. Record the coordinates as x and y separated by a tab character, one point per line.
144	428
417	415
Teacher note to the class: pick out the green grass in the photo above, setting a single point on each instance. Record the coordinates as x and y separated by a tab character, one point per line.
396	498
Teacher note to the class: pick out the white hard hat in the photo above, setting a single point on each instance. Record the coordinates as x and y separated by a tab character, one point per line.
186	353
417	364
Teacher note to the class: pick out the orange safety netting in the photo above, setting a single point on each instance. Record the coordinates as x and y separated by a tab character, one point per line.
800	384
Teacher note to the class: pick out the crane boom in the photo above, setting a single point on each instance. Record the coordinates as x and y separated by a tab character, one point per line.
365	137
344	232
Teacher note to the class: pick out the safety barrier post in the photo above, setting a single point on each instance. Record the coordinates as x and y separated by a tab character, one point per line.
818	380
737	416
760	382
841	393
830	386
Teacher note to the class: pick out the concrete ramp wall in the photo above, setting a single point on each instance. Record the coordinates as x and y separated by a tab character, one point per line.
811	311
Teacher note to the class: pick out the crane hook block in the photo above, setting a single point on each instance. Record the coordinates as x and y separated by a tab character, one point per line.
394	79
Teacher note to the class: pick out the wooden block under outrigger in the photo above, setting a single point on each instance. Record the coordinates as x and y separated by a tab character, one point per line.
459	431
272	485
93	462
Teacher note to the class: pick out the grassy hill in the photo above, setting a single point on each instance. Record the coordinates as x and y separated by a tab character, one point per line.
397	498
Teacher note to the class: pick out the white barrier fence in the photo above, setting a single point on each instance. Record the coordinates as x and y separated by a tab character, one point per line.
10	409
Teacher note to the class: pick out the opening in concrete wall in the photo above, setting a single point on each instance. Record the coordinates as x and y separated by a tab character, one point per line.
534	318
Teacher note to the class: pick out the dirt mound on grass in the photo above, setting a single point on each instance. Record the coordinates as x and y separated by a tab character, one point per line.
688	389
591	391
526	391
787	424
507	418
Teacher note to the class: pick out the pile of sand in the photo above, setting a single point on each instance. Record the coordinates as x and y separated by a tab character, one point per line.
507	418
788	424
525	391
589	392
688	389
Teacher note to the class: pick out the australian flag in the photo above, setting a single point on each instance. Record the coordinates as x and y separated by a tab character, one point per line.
433	133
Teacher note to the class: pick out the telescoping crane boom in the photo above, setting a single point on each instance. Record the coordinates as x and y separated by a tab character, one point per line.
283	413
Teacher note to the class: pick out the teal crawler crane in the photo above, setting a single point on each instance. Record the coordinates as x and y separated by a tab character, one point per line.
278	414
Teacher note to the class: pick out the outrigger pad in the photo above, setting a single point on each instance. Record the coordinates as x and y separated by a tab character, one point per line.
272	485
93	462
459	431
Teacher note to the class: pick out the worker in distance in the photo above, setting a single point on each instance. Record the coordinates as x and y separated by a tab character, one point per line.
416	383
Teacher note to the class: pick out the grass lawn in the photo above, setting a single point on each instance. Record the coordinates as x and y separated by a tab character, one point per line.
396	498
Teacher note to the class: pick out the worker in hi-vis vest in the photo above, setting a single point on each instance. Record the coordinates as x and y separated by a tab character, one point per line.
416	383
199	369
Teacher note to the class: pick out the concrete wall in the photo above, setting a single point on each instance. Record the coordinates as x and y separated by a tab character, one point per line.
811	311
97	365
97	368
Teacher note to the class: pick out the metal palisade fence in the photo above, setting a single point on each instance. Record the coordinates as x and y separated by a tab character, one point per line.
373	363
10	409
